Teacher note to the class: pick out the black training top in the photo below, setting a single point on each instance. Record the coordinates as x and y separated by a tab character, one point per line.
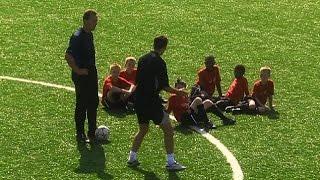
151	78
81	47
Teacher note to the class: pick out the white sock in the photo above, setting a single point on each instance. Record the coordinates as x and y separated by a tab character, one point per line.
170	159
132	156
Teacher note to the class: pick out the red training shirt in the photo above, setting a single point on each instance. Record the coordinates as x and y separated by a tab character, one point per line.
109	82
208	79
237	90
263	91
129	77
179	105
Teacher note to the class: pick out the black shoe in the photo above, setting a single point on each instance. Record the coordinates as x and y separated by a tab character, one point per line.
229	109
236	111
81	137
228	121
91	139
210	125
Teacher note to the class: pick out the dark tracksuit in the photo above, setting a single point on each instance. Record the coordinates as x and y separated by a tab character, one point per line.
81	47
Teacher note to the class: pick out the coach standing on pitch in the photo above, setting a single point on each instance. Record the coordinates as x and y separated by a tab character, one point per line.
151	78
80	56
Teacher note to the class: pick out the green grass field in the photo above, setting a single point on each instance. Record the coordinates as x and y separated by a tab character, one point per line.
37	128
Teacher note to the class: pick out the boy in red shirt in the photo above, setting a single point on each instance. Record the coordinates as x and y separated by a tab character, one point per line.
237	97
209	77
263	90
130	71
188	113
116	90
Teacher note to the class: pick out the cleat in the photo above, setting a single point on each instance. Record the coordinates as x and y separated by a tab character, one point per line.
210	125
81	138
175	167
134	163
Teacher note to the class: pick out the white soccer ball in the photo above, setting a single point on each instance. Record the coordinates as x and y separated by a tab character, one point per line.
102	133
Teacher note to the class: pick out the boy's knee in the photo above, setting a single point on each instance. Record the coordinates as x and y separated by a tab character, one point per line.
197	100
252	104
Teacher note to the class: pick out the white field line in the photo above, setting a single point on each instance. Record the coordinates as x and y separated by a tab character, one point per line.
237	173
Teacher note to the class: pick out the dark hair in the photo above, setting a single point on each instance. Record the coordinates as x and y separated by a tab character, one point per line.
209	58
180	81
160	42
88	13
240	70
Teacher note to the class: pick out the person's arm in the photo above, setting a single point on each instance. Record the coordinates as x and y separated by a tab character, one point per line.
219	89
270	102
175	91
72	64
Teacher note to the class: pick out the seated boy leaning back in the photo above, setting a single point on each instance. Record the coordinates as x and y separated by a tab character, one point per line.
263	90
189	113
237	97
116	90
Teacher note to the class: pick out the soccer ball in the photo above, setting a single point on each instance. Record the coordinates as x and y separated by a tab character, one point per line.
102	133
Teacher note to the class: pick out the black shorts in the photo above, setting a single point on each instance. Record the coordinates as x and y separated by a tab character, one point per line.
153	112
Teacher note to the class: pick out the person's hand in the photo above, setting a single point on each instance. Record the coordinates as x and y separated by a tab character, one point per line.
82	71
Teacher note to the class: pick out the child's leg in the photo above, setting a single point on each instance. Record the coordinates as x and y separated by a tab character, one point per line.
195	103
222	104
212	107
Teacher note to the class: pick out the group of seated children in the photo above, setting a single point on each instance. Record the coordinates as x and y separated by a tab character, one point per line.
119	86
237	99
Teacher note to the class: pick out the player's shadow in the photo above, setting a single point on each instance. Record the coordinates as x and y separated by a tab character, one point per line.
118	112
92	160
173	176
147	174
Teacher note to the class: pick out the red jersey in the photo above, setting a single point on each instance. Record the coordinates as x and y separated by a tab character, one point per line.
237	89
263	91
129	77
109	82
208	79
179	105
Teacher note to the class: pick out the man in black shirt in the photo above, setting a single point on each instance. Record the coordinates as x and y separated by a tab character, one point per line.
80	56
151	78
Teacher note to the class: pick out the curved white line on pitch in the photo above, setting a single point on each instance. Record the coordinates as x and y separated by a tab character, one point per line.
237	173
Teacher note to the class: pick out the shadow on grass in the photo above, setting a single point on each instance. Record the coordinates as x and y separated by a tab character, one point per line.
92	160
273	114
119	113
147	174
173	176
183	130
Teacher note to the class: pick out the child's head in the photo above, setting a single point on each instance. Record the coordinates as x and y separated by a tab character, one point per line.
239	70
265	73
209	62
180	84
130	63
115	70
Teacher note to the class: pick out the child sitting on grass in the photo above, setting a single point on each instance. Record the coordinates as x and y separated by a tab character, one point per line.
237	99
209	77
130	71
189	113
116	90
263	90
